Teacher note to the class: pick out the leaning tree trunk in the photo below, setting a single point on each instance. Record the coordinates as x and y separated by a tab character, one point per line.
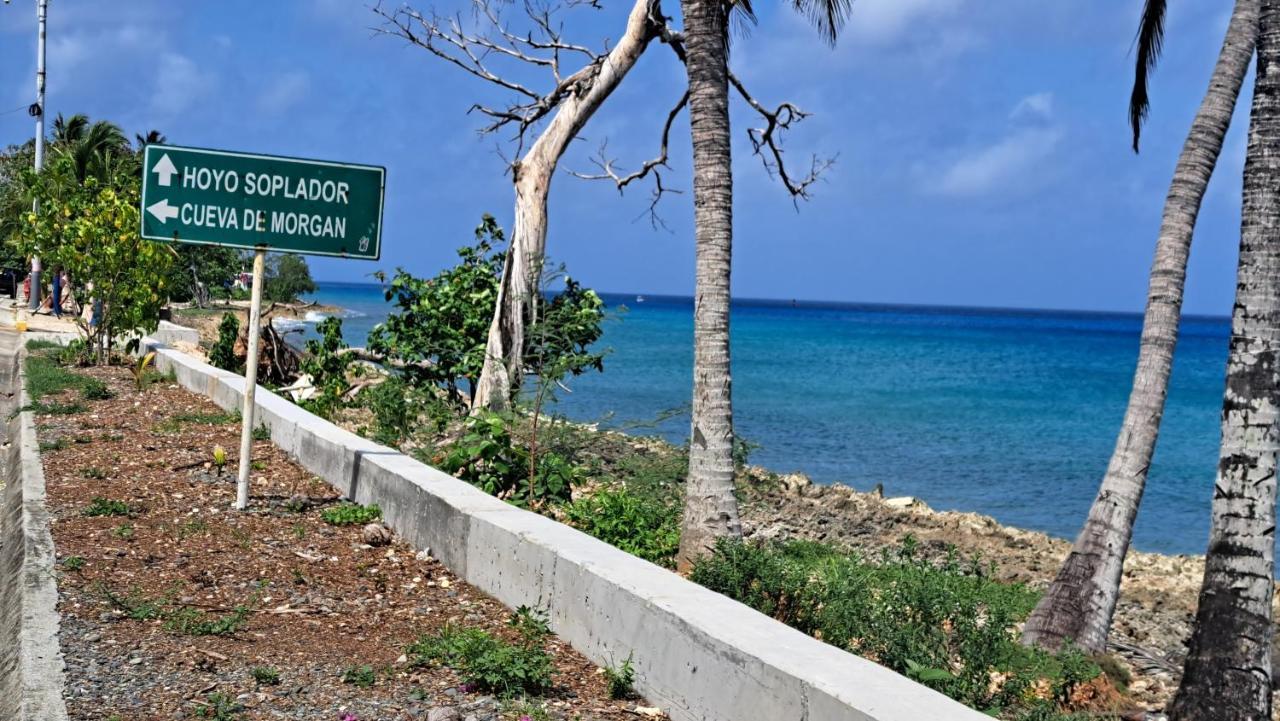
711	508
1080	603
587	90
1228	669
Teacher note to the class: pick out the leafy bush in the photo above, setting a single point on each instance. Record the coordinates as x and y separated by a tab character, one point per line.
351	514
265	675
327	366
398	408
642	525
441	324
222	354
621	680
488	663
948	626
488	457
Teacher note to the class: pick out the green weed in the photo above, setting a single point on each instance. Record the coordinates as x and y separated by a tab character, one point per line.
350	514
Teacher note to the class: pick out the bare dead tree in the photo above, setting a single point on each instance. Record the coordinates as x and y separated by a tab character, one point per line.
766	143
581	79
544	119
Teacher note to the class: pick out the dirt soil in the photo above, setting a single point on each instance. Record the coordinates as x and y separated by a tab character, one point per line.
1157	596
319	600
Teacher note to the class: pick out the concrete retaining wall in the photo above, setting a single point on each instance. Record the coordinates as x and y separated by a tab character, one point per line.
698	655
31	669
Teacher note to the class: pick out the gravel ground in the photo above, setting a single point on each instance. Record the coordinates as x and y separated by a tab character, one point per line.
318	599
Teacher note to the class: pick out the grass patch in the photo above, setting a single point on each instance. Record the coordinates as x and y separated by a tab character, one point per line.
55	445
188	621
73	563
106	507
93	472
488	663
350	514
45	377
948	625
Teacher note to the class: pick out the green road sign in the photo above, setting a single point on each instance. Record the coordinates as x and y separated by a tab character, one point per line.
192	195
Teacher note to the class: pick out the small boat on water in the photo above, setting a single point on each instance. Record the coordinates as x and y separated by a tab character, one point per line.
639	298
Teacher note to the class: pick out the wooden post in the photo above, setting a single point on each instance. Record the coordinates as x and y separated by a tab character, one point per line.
250	379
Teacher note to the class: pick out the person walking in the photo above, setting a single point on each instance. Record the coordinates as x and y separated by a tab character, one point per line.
55	304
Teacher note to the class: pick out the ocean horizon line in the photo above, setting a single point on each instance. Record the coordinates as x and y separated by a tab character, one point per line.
858	305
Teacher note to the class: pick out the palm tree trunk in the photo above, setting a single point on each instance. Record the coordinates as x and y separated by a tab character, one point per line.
532	174
1228	669
1080	603
711	508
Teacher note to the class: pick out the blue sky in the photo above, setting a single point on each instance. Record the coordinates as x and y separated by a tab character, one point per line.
983	153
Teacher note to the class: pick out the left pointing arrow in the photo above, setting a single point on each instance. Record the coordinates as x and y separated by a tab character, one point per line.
162	210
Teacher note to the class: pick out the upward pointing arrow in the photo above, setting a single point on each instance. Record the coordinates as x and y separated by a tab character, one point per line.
164	170
162	210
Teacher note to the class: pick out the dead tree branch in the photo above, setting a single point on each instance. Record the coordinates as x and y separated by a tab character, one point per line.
488	55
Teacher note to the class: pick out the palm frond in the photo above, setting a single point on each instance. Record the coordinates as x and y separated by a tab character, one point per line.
828	16
1149	42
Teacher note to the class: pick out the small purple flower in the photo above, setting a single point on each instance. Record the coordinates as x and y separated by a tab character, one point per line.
525	718
348	716
466	688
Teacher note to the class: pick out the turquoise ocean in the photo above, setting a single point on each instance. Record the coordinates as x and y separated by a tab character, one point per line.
1010	413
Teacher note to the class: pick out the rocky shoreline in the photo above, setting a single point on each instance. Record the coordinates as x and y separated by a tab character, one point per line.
1157	597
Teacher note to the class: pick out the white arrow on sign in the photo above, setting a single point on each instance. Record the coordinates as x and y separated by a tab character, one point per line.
162	210
164	170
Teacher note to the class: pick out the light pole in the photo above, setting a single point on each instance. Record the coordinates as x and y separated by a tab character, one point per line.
42	11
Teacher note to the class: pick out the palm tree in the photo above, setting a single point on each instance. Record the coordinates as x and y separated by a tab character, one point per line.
1081	601
711	506
93	149
1227	674
153	137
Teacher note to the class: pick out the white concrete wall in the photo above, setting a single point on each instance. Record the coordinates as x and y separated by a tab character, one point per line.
31	668
699	655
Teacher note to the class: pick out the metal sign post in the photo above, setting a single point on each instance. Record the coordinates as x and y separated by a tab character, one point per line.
250	379
260	203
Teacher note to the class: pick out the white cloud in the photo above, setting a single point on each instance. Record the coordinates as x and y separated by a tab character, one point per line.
1014	160
1036	106
885	21
284	91
1001	164
179	84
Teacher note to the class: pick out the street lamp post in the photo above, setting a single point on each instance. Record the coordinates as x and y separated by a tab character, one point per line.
42	11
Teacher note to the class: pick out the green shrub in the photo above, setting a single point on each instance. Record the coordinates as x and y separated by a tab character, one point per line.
73	563
265	675
948	625
327	365
361	676
398	407
488	663
621	680
106	507
488	457
218	707
350	514
642	525
222	354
